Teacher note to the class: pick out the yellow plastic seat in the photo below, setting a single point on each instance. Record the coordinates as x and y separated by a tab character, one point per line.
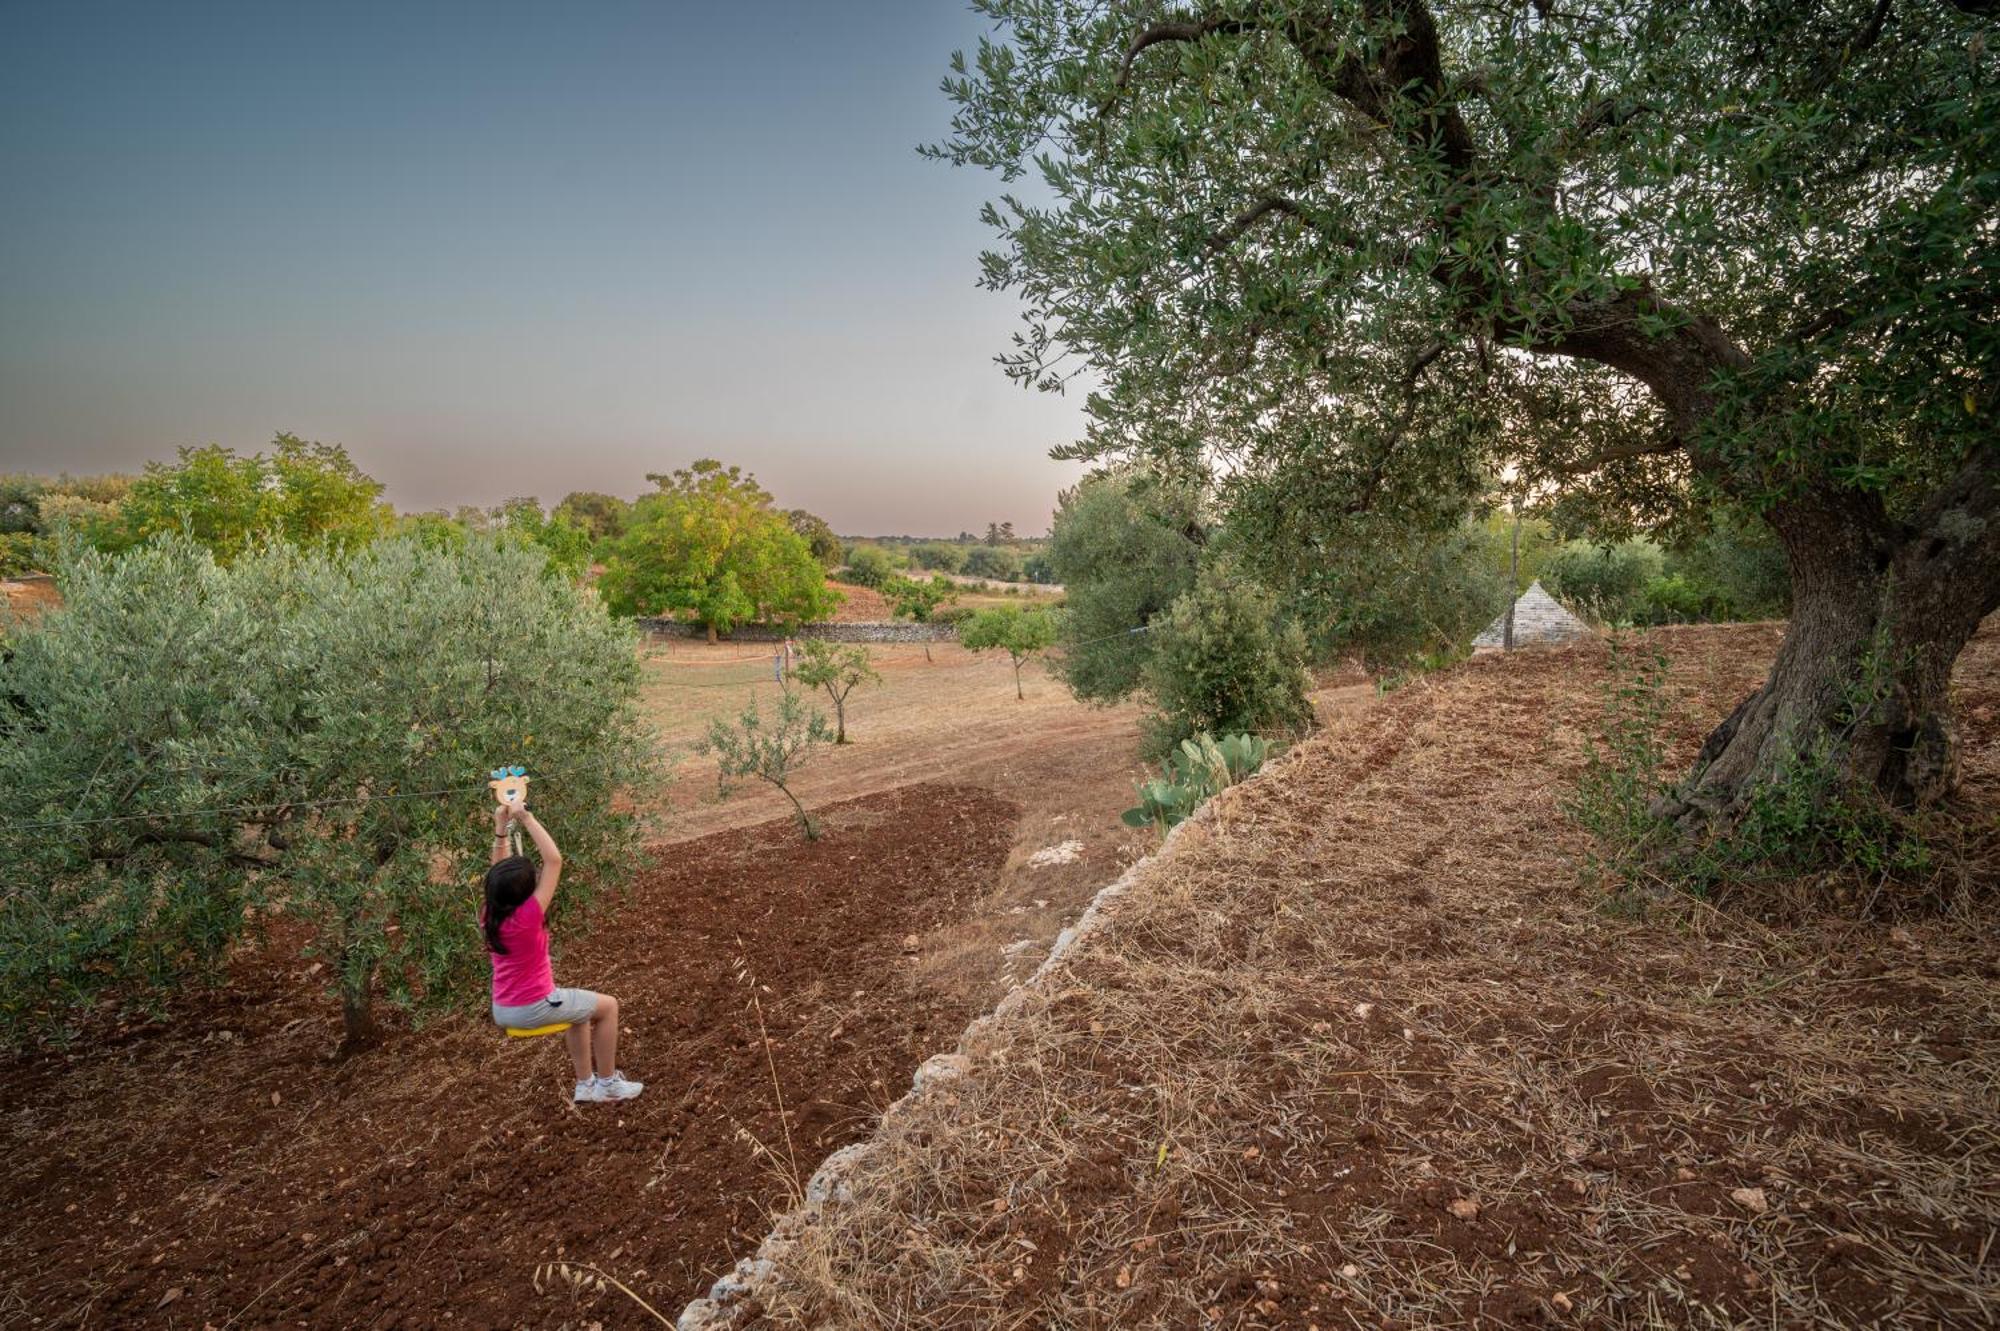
529	1032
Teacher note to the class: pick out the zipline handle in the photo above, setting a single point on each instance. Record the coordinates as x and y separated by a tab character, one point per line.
509	785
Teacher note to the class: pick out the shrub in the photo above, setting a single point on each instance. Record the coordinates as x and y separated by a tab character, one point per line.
838	668
955	615
1223	661
919	602
1737	566
869	566
993	561
1197	768
770	751
299	731
1022	634
1403	601
1603	583
21	552
20	505
941	556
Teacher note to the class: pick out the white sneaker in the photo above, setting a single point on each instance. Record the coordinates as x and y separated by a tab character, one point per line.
615	1087
587	1091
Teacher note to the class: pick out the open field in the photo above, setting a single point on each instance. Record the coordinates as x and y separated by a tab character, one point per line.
952	715
1361	1050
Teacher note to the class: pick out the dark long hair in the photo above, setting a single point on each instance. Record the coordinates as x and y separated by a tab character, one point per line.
508	884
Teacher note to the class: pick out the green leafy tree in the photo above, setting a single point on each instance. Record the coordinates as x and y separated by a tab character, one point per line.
1374	589
1022	634
435	530
1124	549
601	516
1739	563
304	732
919	600
770	749
826	547
309	494
20	553
869	566
709	547
1604	583
561	541
1645	255
839	669
1223	661
20	504
993	561
84	508
941	556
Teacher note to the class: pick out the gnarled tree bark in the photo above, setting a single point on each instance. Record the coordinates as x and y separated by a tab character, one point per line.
1880	612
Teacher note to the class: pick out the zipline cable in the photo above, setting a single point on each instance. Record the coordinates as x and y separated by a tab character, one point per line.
247	808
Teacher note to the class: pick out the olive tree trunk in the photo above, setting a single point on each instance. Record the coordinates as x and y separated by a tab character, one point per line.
357	1015
1880	611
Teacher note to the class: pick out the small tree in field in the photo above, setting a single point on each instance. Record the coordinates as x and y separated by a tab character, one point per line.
300	732
919	602
839	668
770	750
1021	633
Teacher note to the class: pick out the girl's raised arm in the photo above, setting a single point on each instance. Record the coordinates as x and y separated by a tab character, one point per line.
500	847
545	883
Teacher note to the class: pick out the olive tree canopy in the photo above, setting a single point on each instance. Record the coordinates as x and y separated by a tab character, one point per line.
1357	257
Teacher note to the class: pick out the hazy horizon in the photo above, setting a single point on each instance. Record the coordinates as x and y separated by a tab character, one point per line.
505	251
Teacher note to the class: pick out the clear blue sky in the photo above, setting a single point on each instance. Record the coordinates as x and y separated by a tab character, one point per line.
505	249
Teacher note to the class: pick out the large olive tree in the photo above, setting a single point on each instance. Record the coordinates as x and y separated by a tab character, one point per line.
1356	256
188	746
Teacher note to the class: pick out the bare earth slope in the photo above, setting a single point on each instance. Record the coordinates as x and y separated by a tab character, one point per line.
1360	1051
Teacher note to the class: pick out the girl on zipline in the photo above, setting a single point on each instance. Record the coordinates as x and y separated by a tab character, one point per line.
515	922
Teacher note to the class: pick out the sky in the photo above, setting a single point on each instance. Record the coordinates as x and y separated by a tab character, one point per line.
506	249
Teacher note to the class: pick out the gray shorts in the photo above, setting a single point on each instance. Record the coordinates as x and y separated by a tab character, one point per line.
564	1007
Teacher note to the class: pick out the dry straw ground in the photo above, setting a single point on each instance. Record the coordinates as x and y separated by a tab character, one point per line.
1362	1050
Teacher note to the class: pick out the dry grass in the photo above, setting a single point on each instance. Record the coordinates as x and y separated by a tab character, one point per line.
952	717
1360	1050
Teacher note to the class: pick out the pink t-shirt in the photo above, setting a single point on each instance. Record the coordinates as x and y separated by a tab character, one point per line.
521	974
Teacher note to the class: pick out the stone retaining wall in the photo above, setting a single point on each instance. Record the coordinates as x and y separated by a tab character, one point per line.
898	631
734	1293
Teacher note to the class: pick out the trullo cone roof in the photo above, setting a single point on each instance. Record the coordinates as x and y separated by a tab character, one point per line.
1539	621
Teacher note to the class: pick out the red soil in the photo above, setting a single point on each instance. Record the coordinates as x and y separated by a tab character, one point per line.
864	605
30	594
222	1172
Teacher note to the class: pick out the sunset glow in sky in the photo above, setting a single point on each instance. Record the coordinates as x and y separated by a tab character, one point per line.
513	249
